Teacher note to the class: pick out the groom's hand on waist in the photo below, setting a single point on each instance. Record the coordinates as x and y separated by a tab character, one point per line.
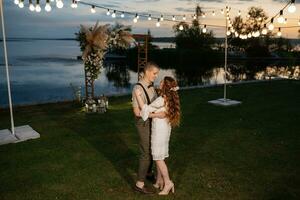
160	115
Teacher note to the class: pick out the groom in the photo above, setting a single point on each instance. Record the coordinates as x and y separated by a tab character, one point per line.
151	71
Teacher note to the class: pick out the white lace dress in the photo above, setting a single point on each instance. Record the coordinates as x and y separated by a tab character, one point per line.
161	129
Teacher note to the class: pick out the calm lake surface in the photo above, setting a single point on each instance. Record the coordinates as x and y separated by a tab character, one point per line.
47	71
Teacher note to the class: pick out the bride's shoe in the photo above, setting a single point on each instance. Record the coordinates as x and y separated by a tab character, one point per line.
159	185
167	189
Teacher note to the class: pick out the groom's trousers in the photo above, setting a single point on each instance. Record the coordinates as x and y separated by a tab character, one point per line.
145	160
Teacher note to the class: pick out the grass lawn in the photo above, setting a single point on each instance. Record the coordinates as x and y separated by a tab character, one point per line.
250	151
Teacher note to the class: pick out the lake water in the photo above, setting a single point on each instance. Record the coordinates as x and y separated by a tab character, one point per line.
48	71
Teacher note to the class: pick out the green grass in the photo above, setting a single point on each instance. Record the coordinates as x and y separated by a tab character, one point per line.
250	151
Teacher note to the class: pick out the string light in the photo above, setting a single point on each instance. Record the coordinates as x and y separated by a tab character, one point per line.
157	23
236	34
37	6
213	13
203	15
108	12
21	4
74	4
183	18
280	18
204	29
222	11
264	31
194	17
135	19
228	32
271	25
279	32
31	6
173	18
285	21
114	14
249	35
292	7
239	13
59	4
181	27
122	15
93	9
149	17
48	6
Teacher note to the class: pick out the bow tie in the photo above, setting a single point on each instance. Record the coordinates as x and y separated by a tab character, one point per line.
151	85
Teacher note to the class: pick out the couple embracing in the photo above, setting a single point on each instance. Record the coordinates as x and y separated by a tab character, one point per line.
156	112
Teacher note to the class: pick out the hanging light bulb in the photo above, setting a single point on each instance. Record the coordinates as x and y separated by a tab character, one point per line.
271	25
122	15
157	23
213	13
173	18
280	18
232	30
285	21
279	32
59	4
16	2
249	35
236	34
113	15
183	18
292	7
21	4
239	13
264	31
149	17
181	27
204	29
31	6
194	17
203	15
37	6
93	10
48	6
135	19
222	11
108	12
161	18
74	4
228	32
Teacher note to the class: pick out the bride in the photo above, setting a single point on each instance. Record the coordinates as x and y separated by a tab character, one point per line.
168	102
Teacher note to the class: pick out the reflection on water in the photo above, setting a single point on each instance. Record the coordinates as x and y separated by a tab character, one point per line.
40	74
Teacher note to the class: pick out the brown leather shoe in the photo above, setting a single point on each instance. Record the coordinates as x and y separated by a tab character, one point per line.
143	190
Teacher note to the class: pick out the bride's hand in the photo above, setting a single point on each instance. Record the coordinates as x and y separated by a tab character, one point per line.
138	92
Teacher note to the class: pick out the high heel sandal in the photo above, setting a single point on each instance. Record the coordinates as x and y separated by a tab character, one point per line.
159	185
167	189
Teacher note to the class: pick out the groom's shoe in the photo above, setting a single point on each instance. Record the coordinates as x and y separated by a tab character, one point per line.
143	190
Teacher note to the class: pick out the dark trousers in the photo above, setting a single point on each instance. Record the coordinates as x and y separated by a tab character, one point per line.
145	160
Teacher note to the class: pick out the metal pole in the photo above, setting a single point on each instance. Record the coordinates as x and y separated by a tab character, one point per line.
7	73
225	65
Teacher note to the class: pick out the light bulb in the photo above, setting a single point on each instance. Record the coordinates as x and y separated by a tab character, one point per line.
122	15
299	22
203	15
249	35
292	7
194	17
157	23
279	32
135	19
93	9
181	27
204	29
271	25
222	11
59	4
38	8
108	12
114	14
280	18
264	31
21	4
48	7
285	21
213	13
236	34
239	13
16	2
161	18
31	7
183	18
173	18
149	18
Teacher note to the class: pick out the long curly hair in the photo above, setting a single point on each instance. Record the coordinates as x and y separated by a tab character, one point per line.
172	100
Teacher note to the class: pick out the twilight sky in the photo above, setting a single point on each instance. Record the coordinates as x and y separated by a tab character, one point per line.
63	23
